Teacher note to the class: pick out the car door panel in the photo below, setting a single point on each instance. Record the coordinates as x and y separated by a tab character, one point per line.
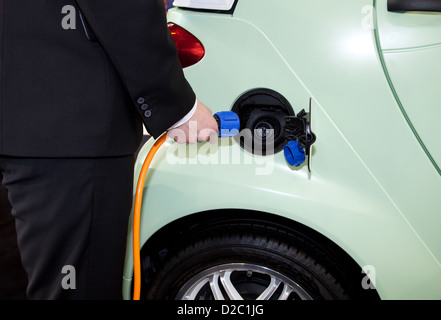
411	50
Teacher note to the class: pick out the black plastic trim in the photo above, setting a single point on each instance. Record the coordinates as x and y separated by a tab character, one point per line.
230	12
414	5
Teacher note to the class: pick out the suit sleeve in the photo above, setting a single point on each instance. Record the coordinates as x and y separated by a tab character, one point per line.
135	36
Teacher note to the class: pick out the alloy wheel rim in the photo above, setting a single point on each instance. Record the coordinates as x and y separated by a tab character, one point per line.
241	281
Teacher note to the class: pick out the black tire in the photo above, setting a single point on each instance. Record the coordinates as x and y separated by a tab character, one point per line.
255	255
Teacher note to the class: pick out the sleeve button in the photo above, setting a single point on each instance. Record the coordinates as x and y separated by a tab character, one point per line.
147	114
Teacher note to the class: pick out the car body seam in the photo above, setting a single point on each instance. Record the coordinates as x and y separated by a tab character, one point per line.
397	98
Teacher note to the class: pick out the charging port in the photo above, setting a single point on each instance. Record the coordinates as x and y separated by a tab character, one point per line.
262	112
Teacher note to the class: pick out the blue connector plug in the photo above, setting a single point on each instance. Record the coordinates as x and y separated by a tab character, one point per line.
294	153
228	123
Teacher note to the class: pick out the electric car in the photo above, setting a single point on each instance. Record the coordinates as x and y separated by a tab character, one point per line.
355	85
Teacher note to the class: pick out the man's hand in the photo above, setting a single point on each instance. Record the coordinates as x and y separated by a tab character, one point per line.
201	127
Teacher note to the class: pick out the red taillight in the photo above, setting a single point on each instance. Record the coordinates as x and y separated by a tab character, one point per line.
190	49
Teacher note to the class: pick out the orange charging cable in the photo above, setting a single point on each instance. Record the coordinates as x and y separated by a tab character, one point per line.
229	125
137	216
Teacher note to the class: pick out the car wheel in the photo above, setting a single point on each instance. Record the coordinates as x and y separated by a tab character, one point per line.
234	263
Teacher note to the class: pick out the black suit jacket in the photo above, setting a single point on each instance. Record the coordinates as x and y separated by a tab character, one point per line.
85	92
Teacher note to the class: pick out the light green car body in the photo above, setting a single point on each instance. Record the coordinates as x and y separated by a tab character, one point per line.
374	78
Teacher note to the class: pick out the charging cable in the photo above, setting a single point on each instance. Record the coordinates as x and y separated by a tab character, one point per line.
229	124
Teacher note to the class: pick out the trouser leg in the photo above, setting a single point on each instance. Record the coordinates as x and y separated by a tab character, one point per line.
71	219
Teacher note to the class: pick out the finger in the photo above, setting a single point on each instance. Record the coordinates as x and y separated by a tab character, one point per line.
208	135
178	135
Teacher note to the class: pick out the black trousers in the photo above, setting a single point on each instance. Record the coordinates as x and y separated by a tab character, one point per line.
71	217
